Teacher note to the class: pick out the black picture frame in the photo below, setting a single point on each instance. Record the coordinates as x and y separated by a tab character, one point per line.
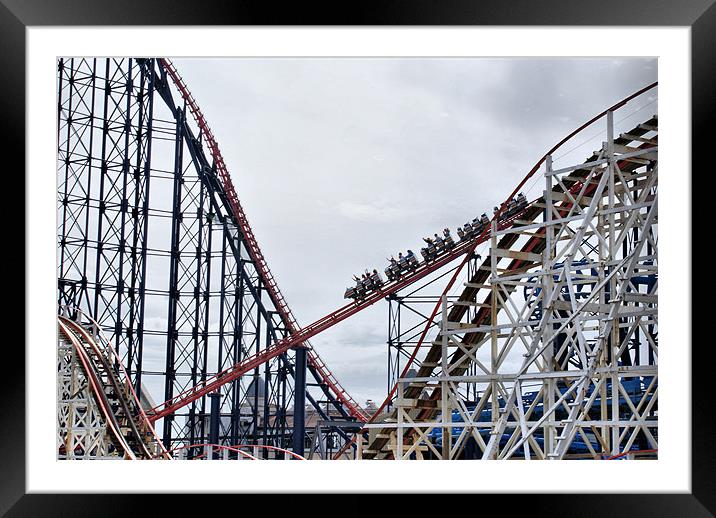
699	15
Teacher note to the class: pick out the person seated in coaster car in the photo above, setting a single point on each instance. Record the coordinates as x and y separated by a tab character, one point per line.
358	291
467	228
359	283
476	227
376	278
412	260
391	268
484	219
351	293
368	279
447	238
461	233
439	243
431	252
402	263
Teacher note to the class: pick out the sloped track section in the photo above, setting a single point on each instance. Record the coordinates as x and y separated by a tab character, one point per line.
99	415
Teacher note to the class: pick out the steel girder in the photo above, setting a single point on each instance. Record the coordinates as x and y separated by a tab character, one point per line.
167	273
104	134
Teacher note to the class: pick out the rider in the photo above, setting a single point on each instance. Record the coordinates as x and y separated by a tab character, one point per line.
363	282
376	277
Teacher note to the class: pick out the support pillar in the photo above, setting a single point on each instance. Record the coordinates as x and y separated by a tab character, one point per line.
299	402
215	421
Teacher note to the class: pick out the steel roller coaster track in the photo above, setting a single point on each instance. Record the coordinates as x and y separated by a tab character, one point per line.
300	336
113	134
279	301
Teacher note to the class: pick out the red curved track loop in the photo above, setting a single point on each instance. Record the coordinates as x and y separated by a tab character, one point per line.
96	387
237	448
253	247
409	362
218	447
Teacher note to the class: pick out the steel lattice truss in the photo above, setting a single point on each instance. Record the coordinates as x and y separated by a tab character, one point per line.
149	247
551	350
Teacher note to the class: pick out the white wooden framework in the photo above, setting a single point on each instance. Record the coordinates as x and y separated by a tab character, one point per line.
564	336
99	414
81	428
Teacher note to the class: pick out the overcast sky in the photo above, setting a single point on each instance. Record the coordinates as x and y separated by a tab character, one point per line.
341	162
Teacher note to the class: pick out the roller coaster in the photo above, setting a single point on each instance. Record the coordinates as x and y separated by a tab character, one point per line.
548	352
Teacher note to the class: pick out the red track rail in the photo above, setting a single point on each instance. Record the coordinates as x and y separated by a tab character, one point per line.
299	336
635	452
253	247
96	387
320	325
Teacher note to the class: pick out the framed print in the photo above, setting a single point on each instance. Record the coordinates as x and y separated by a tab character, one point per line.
214	163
